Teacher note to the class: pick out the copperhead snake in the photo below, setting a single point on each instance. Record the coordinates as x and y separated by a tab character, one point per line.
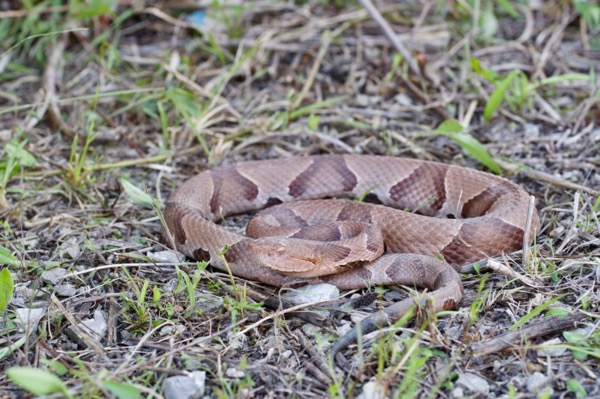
459	214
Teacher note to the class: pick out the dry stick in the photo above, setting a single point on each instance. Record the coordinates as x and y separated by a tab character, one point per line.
53	69
327	39
536	175
85	336
320	363
389	32
526	249
550	326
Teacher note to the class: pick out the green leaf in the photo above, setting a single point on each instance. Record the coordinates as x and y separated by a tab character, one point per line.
487	74
138	196
18	152
454	130
574	337
6	289
449	126
7	258
313	122
488	23
10	349
498	95
557	312
36	381
576	387
477	150
121	390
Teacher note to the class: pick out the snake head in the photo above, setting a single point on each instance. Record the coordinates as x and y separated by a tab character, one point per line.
286	255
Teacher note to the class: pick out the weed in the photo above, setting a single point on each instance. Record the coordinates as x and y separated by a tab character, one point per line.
7	287
17	158
536	311
479	302
37	381
455	131
515	89
77	174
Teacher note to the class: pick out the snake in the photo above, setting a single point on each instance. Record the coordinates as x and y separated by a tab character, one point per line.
353	221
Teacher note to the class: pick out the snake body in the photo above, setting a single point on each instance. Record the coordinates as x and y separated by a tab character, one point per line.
456	214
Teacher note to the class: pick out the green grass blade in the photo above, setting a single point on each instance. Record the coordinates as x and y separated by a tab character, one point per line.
538	310
498	95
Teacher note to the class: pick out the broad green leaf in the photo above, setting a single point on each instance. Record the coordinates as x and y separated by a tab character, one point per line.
574	337
6	289
576	387
121	390
498	95
7	258
454	130
18	152
476	149
36	381
449	126
138	196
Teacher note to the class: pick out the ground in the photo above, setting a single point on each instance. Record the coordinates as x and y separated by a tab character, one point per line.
107	106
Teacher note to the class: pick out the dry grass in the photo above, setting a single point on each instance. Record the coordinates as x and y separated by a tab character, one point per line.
136	92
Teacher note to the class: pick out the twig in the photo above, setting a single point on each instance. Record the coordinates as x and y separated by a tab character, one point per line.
548	178
550	326
389	32
321	365
509	272
527	234
53	69
87	338
328	37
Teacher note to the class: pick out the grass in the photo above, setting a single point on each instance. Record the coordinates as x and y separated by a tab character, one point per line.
152	100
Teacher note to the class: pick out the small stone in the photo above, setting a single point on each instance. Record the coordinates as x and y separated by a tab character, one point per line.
28	317
344	329
536	382
207	302
372	390
403	99
166	256
458	393
531	130
191	386
232	372
53	276
312	293
367	101
171	330
71	248
548	348
22	295
96	327
473	383
65	290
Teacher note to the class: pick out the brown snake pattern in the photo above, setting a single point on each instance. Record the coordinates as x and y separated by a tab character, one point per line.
461	215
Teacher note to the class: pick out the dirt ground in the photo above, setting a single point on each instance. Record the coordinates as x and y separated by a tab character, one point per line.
107	106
